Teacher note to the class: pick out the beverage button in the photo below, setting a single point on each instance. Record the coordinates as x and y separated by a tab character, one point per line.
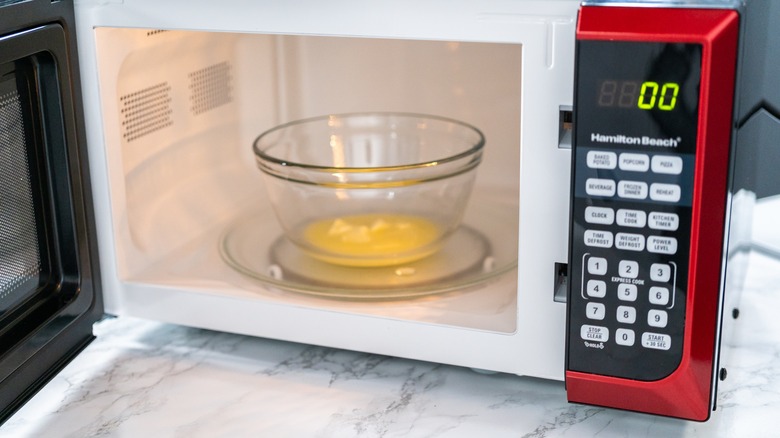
627	292
595	311
598	238
634	162
628	269
630	242
667	164
631	218
663	221
624	337
656	341
597	266
601	160
659	296
599	215
600	187
594	333
660	272
596	289
665	192
662	245
656	318
632	189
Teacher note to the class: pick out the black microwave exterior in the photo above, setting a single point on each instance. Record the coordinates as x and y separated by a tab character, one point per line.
49	283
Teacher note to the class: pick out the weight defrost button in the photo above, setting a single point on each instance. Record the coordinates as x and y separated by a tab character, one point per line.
630	242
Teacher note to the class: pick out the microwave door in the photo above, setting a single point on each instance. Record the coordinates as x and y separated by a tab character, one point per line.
49	296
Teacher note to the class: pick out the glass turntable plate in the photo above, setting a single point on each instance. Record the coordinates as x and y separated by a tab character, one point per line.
483	248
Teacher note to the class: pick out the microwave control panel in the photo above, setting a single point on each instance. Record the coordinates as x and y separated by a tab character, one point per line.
633	171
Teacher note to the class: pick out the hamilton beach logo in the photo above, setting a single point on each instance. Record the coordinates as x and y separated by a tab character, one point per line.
638	141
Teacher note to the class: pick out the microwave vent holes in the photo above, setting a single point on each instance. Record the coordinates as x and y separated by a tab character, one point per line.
210	87
154	32
146	111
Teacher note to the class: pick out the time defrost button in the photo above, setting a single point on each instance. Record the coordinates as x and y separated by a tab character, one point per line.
599	239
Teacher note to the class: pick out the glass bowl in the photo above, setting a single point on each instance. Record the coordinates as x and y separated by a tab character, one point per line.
369	189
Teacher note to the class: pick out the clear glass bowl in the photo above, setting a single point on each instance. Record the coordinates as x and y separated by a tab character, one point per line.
369	189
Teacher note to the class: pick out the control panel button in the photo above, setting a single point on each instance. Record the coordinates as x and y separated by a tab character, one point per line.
664	221
662	245
656	341
667	164
600	187
665	192
634	162
624	337
632	189
626	314
630	242
597	266
656	318
627	292
660	272
628	269
599	215
594	333
596	311
631	218
659	296
596	289
598	238
601	160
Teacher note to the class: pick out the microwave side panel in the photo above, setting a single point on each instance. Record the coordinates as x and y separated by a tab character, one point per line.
225	301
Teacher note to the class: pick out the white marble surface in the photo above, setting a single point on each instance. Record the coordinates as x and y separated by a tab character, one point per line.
143	378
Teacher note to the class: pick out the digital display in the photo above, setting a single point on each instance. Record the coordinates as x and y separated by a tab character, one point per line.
638	94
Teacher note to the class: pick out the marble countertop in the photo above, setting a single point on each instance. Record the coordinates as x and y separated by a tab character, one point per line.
142	378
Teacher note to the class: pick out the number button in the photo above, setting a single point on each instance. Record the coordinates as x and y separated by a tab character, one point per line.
596	288
596	311
597	266
657	318
628	269
626	314
659	296
660	272
627	292
624	337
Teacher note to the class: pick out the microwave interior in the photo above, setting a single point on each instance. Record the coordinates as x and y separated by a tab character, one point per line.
181	110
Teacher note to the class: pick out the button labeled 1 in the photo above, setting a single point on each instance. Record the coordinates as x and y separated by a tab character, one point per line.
597	266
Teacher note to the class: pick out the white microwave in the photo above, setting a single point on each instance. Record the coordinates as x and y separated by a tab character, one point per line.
594	243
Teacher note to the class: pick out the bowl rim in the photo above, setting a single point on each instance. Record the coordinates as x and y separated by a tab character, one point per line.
476	148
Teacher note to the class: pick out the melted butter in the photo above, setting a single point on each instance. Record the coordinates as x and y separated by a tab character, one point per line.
373	239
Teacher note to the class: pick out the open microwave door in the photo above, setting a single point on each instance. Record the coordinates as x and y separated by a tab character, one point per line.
49	285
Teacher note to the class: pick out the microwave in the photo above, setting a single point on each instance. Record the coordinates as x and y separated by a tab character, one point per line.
603	244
